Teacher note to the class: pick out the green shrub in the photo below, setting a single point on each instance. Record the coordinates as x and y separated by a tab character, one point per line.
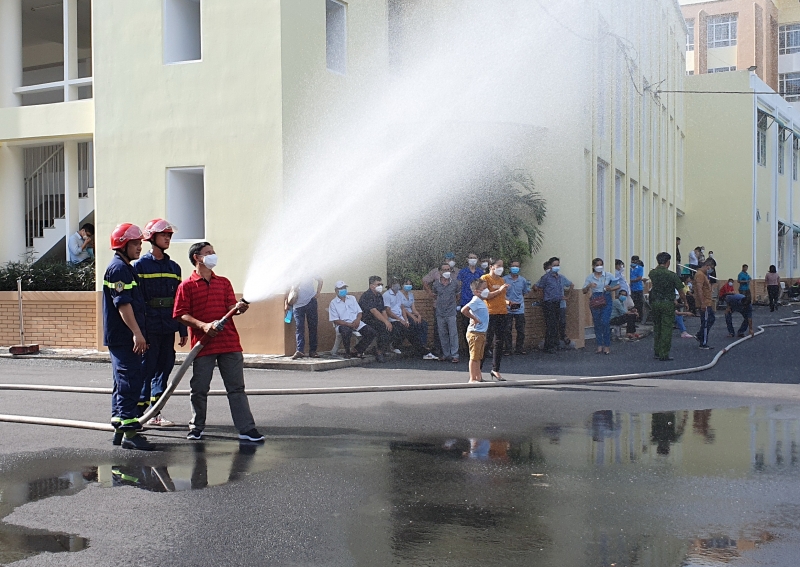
47	276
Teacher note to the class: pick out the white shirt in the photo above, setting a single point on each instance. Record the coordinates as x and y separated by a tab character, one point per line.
344	310
623	284
394	303
306	291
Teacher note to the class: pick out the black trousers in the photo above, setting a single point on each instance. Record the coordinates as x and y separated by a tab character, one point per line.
552	322
774	292
629	319
638	301
518	321
411	333
495	336
367	336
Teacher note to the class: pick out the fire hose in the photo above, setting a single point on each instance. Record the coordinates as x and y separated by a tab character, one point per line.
173	384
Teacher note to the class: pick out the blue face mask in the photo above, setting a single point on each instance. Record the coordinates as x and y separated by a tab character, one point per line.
342	293
407	287
514	270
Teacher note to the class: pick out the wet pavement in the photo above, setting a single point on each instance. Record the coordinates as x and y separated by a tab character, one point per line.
677	488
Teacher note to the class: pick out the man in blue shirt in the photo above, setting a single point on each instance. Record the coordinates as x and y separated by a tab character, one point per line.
159	278
741	304
466	276
123	334
552	288
744	282
637	284
518	287
80	243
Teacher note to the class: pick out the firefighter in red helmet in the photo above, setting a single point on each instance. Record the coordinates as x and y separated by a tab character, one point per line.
159	277
124	335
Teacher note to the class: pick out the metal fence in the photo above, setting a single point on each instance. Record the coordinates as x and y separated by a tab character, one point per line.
44	189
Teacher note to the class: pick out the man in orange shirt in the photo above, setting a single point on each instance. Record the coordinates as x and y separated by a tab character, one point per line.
702	294
498	311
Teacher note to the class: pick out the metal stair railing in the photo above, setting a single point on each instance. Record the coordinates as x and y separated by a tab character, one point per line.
44	190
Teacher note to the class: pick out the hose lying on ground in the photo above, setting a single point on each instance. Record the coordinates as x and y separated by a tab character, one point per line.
171	388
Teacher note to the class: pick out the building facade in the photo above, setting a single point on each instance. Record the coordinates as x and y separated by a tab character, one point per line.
199	111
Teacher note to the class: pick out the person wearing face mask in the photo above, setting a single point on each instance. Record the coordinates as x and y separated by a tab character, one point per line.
466	276
159	278
374	310
498	312
567	286
726	290
552	294
124	328
401	324
200	301
446	290
345	314
416	323
484	264
637	286
712	273
621	315
665	283
619	273
477	312
601	285
427	283
518	287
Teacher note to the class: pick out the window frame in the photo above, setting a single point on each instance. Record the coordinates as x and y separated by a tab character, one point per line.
722	21
784	33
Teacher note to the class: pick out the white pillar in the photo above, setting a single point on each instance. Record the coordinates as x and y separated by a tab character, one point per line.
71	189
70	48
12	203
10	51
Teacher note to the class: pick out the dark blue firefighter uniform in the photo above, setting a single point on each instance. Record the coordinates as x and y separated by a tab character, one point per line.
158	281
120	287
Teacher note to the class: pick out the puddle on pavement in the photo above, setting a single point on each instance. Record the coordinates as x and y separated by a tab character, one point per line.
668	489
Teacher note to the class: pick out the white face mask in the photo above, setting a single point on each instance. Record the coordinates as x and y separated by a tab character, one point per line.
484	265
451	263
210	261
472	262
379	288
446	275
484	293
598	269
498	272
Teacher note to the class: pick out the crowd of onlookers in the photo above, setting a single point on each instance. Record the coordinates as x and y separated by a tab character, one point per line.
479	310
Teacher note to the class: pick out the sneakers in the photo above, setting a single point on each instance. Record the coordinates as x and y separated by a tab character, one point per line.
138	442
430	356
397	351
706	347
195	435
252	435
160	421
297	355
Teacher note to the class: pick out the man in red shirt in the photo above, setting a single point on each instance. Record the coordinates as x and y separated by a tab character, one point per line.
200	301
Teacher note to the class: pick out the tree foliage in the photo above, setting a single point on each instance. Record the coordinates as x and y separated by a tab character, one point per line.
47	276
499	215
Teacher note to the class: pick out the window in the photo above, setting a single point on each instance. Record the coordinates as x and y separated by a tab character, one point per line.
85	169
644	210
689	35
631	218
722	31
600	209
186	201
182	37
789	39
336	36
721	69
781	149
761	139
783	235
789	86
690	73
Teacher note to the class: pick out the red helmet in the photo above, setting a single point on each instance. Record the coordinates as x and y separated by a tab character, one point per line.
158	225
123	234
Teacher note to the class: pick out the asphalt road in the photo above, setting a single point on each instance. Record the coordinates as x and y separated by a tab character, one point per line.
573	475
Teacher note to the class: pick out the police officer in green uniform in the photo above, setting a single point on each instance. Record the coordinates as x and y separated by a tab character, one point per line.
664	283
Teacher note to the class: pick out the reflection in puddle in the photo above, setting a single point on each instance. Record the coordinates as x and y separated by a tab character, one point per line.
668	489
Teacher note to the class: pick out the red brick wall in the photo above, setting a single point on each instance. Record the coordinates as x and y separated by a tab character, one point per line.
53	319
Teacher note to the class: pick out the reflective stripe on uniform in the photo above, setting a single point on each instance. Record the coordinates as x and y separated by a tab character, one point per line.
130	421
124	285
162	275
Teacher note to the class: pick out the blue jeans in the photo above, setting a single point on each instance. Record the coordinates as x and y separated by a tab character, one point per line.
679	322
602	323
729	322
301	314
159	360
707	319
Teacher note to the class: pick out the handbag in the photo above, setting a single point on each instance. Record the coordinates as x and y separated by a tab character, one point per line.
597	301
